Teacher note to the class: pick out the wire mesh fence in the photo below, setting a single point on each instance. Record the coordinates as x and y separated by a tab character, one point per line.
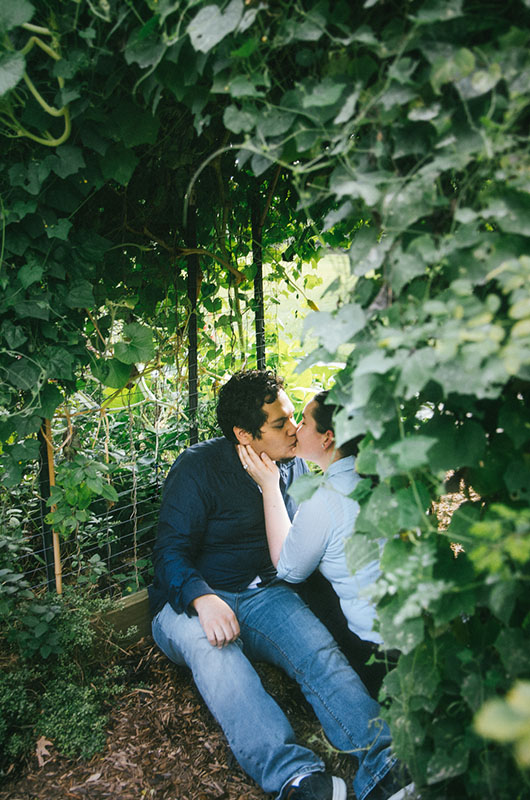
99	538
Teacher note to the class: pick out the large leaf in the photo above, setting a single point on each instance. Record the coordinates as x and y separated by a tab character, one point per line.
12	67
80	295
14	14
139	346
113	373
119	164
145	47
412	452
211	25
25	374
335	329
49	398
134	124
238	121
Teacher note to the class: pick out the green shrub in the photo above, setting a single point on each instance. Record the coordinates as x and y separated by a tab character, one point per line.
18	708
73	718
58	684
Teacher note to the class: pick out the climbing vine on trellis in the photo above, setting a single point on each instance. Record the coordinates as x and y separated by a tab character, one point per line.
399	136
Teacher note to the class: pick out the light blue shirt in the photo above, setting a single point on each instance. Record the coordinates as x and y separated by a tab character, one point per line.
316	539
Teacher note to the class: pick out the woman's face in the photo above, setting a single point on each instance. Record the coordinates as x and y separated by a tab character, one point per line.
309	440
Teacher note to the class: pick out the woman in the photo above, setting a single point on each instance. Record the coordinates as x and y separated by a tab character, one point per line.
317	534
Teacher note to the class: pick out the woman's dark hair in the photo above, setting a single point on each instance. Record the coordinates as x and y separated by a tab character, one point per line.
323	414
242	398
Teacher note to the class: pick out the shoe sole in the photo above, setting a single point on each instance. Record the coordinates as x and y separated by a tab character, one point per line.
339	789
407	793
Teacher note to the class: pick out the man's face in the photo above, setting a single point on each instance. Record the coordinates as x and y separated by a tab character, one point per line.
278	432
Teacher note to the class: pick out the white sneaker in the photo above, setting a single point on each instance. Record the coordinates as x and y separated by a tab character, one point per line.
405	793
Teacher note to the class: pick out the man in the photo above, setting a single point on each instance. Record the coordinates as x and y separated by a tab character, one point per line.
217	606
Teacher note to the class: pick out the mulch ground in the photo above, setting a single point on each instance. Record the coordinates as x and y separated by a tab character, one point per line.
163	744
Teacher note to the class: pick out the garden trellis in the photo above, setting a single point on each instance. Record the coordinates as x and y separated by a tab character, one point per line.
108	547
401	133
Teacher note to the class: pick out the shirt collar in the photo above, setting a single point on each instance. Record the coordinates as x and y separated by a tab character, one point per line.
342	465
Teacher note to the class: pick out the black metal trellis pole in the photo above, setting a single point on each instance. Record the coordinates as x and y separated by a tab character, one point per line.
192	288
257	259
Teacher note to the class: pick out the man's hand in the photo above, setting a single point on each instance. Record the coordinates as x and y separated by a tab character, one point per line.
217	619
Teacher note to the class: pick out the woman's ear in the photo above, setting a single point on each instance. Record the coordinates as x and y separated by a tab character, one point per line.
242	436
329	439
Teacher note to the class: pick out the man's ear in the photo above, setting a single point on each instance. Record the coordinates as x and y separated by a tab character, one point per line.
242	436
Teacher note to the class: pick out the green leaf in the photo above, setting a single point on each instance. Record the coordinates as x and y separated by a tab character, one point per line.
513	647
438	11
416	674
514	418
473	690
344	184
50	398
13	334
458	445
366	252
405	267
308	29
12	66
325	93
59	363
143	47
109	492
238	121
517	480
246	49
210	25
112	372
274	123
362	490
448	761
405	636
59	230
26	451
25	375
480	82
508	720
35	309
80	295
360	551
139	347
14	14
66	161
412	452
417	370
335	329
30	273
119	164
502	598
305	486
379	514
242	86
134	124
452	68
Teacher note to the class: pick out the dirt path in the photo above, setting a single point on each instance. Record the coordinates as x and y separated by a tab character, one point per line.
163	744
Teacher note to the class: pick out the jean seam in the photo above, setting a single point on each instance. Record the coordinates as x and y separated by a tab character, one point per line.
305	683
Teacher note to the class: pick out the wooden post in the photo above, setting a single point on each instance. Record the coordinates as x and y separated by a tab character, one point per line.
47	480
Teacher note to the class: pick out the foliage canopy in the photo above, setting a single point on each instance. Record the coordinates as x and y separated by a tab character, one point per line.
396	132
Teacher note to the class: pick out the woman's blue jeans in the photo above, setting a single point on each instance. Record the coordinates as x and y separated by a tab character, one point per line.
277	627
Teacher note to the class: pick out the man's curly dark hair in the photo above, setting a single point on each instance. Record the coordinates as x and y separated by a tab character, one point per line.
242	398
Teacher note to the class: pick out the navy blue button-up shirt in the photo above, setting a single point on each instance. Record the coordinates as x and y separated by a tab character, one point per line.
211	532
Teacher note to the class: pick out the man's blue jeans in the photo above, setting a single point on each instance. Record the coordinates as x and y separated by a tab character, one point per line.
277	627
